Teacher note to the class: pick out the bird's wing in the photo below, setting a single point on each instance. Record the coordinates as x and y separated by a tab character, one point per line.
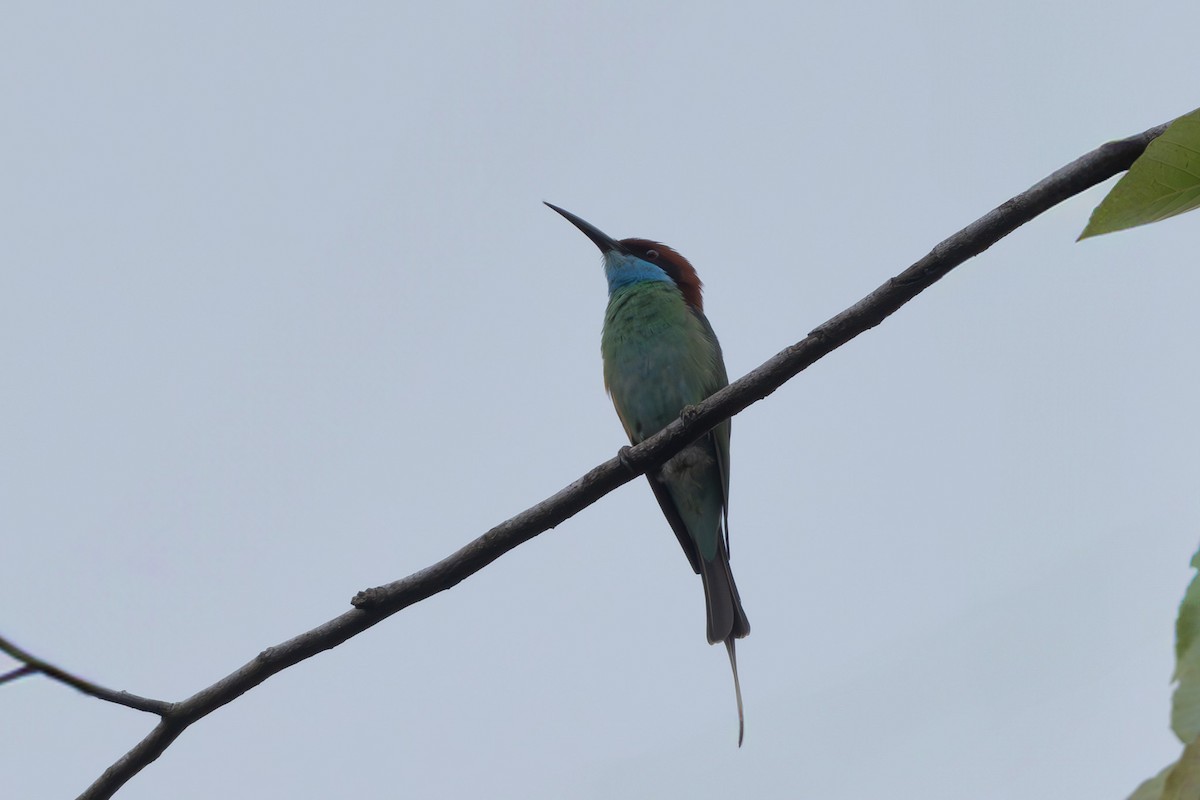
721	440
663	496
719	436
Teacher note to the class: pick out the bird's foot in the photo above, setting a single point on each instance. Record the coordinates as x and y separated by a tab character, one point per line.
689	413
626	461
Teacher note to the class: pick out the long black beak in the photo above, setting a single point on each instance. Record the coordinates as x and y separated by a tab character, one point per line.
601	239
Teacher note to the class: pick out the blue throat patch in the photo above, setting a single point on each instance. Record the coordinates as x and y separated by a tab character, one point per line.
624	270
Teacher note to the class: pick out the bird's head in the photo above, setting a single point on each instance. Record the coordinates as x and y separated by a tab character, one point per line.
629	261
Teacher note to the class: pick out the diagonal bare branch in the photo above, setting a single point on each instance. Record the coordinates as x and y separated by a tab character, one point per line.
35	665
375	605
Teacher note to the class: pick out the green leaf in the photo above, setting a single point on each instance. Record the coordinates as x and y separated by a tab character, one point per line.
1187	624
1163	182
1152	789
1183	782
1180	781
1185	705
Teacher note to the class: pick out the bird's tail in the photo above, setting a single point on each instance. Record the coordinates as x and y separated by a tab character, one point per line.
737	687
726	619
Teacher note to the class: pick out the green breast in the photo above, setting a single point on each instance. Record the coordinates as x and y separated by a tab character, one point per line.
659	356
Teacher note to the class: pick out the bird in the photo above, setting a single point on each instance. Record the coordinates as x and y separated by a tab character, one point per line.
661	355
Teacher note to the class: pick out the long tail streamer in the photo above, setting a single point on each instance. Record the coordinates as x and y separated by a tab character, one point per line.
737	688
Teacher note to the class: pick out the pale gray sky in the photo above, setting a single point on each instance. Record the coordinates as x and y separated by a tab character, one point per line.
282	317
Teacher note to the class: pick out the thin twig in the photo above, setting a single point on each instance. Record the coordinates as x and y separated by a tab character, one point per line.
19	672
374	605
33	664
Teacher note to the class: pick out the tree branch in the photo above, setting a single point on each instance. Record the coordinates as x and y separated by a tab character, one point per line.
34	665
374	605
19	672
